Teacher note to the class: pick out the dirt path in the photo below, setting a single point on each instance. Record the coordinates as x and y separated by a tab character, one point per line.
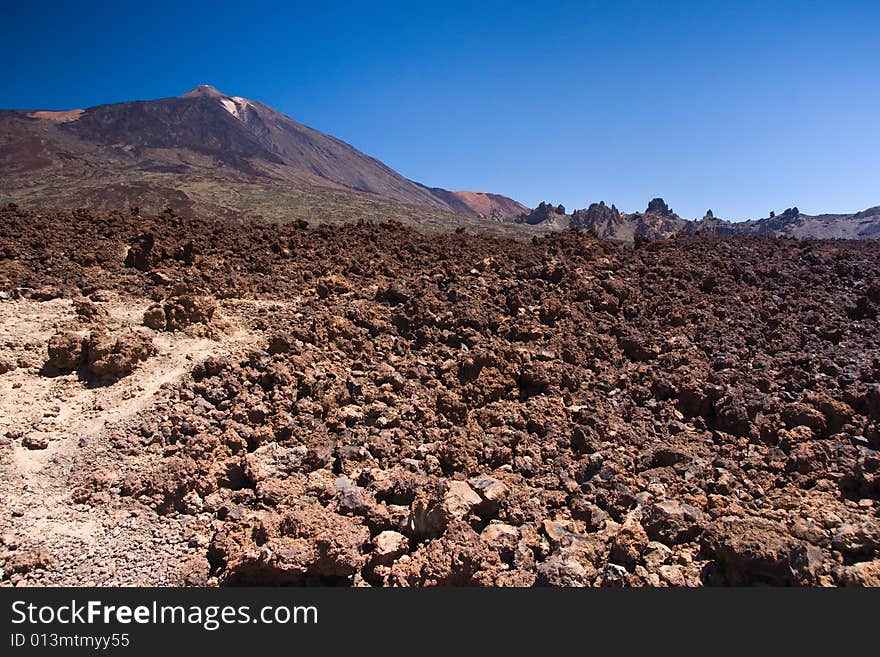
51	538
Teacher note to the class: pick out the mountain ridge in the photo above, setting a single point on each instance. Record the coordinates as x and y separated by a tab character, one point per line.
658	221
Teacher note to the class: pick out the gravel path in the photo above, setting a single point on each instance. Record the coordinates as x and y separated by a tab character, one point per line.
58	430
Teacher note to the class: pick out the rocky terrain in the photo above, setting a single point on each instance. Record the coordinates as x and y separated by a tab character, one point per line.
658	221
864	225
194	402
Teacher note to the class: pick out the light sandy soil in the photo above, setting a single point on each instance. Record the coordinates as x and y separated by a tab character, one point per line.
121	543
63	116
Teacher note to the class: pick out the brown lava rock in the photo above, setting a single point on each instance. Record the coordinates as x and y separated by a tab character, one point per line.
111	357
464	410
182	308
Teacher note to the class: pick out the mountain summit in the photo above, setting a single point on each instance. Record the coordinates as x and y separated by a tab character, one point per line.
205	90
235	105
209	152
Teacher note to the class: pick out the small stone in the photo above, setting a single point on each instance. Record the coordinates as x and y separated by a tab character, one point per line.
36	440
491	492
591	514
562	569
154	318
193	503
672	575
430	513
501	537
613	575
352	498
388	546
112	357
808	562
6	365
45	293
351	414
751	550
66	351
656	554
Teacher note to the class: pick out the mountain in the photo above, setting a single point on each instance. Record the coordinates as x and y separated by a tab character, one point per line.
792	223
211	153
659	221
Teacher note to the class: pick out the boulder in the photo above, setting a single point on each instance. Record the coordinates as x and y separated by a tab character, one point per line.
35	440
439	504
672	522
182	308
491	492
630	541
111	357
66	351
562	569
752	550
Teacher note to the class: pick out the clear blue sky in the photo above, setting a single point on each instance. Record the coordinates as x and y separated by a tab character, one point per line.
741	107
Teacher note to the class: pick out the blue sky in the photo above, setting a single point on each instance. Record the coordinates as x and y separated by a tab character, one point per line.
742	107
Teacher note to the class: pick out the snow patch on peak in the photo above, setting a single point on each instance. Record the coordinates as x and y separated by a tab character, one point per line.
230	107
235	105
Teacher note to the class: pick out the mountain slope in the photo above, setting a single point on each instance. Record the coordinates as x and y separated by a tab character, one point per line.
493	206
142	151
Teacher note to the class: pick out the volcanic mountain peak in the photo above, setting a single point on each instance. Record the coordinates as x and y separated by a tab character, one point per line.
204	90
212	153
235	105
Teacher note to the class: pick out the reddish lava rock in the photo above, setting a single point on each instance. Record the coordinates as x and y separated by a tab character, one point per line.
458	409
